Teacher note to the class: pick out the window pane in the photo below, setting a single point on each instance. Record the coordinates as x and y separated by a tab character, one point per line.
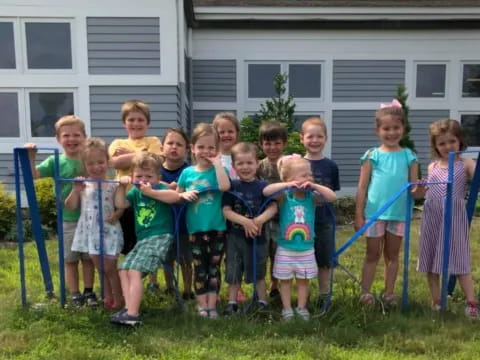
260	80
471	80
304	80
299	119
45	109
471	127
7	46
9	115
431	80
48	45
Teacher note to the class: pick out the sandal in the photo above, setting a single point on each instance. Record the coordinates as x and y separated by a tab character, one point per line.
367	299
204	313
213	314
390	300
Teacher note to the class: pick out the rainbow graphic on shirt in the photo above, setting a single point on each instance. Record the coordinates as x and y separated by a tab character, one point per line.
295	229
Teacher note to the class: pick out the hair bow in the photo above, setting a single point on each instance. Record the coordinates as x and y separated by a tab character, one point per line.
395	104
291	157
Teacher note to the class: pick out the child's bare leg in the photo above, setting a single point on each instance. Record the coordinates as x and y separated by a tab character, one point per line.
135	292
261	290
302	292
391	250
125	283
202	301
434	285
187	277
286	293
114	281
168	275
466	282
324	280
212	300
107	290
71	277
88	270
232	292
372	256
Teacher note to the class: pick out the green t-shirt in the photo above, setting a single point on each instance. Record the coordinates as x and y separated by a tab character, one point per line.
69	169
152	217
205	214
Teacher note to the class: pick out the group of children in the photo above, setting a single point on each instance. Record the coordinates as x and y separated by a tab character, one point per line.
226	190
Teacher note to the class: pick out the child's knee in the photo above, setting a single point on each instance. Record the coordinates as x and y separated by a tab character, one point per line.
373	256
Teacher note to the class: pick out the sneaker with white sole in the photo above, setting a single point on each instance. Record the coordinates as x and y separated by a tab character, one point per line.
303	313
125	319
287	314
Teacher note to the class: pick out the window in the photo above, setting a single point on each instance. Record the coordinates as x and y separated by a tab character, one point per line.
260	80
7	46
471	127
304	80
9	112
48	45
46	108
471	80
431	80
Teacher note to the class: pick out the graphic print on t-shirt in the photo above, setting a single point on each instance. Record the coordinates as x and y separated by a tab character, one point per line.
298	227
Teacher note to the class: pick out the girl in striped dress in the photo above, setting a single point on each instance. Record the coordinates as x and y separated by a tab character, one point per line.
446	136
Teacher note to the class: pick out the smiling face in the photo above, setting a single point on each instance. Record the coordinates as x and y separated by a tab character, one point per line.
96	164
228	135
445	143
390	131
204	148
174	147
314	139
246	165
273	149
136	125
72	139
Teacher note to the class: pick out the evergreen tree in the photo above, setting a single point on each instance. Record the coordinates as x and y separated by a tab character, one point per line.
402	96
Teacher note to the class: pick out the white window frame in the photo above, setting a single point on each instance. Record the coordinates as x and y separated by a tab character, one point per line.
8	142
447	77
284	68
16	46
23	32
460	113
462	65
28	120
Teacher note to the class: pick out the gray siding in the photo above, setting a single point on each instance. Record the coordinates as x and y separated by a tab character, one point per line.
367	80
206	116
123	45
106	101
214	80
420	121
353	132
7	169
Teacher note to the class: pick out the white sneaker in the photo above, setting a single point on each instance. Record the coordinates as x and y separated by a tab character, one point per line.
303	313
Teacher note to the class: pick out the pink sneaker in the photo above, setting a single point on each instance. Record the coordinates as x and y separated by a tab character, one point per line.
471	311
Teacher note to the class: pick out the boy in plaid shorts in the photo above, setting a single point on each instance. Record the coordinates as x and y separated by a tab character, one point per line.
153	226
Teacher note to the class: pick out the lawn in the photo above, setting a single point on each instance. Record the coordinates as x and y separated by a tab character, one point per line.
345	331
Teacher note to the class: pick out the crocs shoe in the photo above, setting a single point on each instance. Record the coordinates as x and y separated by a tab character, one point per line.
471	311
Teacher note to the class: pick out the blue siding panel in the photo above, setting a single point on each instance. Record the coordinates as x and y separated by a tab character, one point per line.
214	80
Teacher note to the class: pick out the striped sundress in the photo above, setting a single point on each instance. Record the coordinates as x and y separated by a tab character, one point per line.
431	231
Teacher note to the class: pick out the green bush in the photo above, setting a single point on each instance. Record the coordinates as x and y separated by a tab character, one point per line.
345	210
7	212
46	202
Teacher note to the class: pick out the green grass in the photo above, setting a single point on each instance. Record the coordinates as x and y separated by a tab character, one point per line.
346	331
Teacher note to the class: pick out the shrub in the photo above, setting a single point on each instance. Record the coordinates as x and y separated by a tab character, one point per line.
7	212
46	202
345	210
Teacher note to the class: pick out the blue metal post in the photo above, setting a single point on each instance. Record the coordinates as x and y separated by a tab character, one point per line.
102	246
473	195
21	256
406	250
59	205
447	222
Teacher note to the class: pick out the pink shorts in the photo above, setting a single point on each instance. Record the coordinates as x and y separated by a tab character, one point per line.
378	228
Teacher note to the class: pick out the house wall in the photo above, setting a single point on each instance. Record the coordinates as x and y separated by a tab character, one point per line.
120	50
359	69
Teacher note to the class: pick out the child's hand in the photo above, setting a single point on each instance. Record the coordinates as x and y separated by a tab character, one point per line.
113	218
419	191
189	195
125	180
215	160
306	185
121	151
250	228
259	224
145	188
31	147
294	183
359	222
172	185
79	186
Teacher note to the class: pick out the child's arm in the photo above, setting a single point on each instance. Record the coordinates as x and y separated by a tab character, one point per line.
72	202
120	157
327	193
32	154
249	226
166	196
419	191
115	216
470	167
222	177
187	195
266	215
361	197
273	188
121	201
